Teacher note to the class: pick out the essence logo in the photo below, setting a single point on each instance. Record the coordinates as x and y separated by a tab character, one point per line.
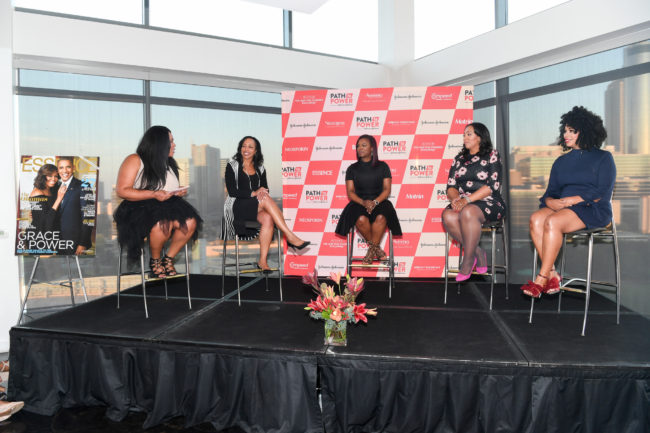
469	95
316	196
393	146
292	172
421	170
342	98
367	121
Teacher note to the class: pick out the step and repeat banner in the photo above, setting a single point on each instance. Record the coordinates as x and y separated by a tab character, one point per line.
419	130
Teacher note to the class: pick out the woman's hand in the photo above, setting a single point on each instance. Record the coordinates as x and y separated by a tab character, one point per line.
161	195
61	192
369	205
458	204
261	194
555	204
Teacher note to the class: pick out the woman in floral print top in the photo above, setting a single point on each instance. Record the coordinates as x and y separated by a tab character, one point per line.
473	192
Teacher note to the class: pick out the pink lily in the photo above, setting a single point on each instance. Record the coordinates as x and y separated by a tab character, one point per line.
311	279
336	277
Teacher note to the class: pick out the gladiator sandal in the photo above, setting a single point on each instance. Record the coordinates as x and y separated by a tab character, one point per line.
168	263
379	253
156	267
367	260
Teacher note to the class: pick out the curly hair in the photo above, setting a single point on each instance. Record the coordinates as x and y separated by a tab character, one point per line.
153	150
485	147
40	181
590	127
258	158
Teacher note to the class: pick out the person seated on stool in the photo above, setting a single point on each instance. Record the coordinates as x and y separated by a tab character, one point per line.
153	206
368	183
248	200
473	192
578	195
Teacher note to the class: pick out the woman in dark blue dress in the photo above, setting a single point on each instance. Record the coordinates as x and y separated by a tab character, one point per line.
578	195
368	184
473	192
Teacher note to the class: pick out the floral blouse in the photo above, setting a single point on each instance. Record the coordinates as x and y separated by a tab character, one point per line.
469	174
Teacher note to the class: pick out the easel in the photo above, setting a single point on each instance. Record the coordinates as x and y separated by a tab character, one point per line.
63	284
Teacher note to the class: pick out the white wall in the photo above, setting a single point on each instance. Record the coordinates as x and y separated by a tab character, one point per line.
135	52
570	30
9	288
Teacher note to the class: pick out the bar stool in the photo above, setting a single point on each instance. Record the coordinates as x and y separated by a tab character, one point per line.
493	227
143	279
607	233
387	263
251	225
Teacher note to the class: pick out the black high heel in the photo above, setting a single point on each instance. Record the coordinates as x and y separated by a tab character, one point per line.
264	271
298	247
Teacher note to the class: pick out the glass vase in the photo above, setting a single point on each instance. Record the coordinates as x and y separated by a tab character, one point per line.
336	333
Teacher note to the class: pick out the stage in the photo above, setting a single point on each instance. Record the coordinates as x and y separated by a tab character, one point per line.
419	366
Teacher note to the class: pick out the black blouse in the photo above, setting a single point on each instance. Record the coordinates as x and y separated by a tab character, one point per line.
368	180
247	183
44	218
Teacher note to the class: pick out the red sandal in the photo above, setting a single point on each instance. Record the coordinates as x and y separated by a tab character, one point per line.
533	289
553	285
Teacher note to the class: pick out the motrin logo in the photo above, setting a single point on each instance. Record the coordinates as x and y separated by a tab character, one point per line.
442	96
316	196
463	121
414	196
342	98
469	95
292	172
296	149
422	170
367	121
393	146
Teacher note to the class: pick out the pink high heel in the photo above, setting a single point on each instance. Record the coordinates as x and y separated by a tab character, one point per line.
482	269
462	277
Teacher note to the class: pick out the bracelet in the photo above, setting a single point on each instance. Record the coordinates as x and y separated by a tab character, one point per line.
469	200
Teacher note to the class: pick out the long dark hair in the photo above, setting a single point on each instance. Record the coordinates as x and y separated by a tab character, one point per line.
40	181
485	146
373	145
589	125
154	153
258	158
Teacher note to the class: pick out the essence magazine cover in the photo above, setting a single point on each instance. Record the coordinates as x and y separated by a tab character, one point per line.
56	205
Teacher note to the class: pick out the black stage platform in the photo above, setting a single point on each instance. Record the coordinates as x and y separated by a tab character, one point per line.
420	366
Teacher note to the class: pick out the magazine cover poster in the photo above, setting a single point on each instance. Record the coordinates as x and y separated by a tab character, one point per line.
56	205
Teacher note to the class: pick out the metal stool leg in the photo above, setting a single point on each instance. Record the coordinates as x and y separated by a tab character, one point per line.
144	285
588	294
617	265
237	268
532	298
70	281
493	277
391	263
562	263
280	264
119	275
504	236
223	264
446	264
187	276
81	279
29	287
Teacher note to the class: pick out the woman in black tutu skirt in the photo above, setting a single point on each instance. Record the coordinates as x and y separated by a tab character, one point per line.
152	206
368	183
248	200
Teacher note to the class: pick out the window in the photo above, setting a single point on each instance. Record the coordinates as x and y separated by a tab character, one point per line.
339	27
129	11
518	9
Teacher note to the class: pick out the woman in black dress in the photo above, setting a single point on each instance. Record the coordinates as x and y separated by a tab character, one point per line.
368	183
153	206
44	200
473	192
248	200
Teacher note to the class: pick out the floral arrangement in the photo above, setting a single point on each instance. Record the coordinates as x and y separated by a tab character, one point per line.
335	307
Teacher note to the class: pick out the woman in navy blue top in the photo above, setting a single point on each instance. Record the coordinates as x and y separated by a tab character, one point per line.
578	195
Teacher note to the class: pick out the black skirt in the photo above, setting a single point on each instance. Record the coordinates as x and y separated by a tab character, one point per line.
135	219
353	211
245	209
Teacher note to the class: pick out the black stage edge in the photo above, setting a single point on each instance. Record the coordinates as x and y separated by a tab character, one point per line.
420	366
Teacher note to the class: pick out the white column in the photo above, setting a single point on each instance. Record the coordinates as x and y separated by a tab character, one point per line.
10	281
396	37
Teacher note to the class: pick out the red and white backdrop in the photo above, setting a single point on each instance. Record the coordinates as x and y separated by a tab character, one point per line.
419	130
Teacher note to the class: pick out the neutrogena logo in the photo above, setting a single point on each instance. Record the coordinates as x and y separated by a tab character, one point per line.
292	172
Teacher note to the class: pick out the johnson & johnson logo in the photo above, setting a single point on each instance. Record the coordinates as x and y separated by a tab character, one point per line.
302	125
434	122
409	96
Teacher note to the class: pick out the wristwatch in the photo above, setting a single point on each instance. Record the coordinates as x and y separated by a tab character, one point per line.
375	202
